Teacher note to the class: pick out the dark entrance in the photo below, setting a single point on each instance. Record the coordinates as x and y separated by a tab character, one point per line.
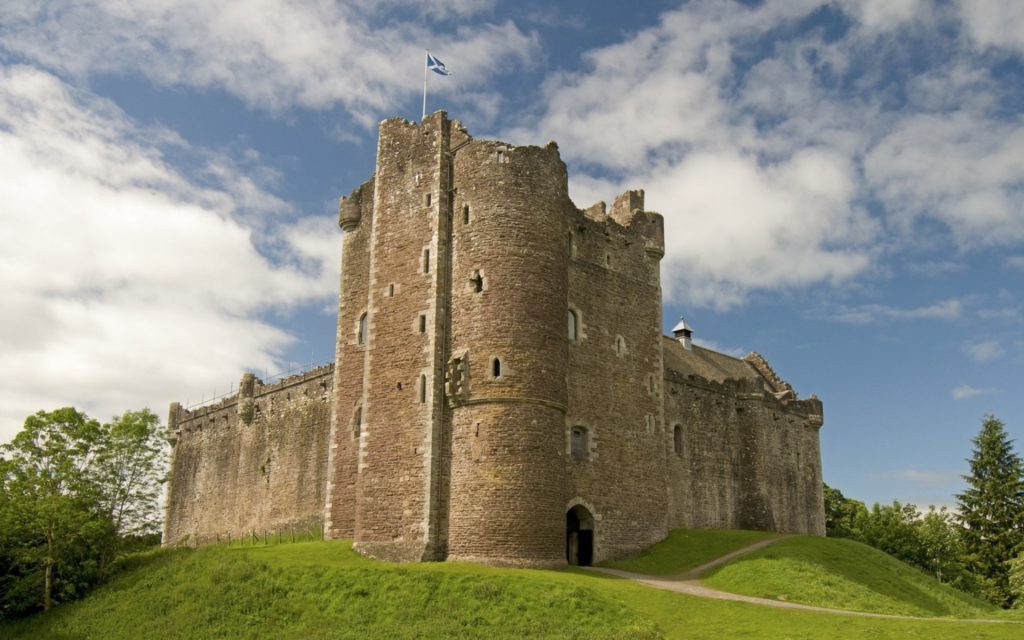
579	536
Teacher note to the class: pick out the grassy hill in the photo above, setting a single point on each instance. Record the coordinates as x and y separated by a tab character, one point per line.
318	590
843	574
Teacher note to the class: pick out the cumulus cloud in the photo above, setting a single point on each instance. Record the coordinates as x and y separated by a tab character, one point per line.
965	391
794	161
274	54
124	279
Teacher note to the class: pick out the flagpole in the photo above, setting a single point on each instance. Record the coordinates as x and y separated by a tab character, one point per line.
426	53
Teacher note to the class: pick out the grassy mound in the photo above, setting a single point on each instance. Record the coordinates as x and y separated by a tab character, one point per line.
319	590
842	574
685	549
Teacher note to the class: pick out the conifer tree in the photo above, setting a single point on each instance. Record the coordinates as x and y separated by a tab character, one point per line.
992	510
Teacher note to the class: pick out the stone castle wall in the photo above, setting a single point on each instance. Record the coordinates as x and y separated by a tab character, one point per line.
747	460
252	462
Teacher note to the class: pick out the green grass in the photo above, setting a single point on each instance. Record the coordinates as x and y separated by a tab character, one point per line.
685	549
324	590
842	574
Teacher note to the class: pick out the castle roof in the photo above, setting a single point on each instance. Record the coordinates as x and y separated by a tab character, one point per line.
705	363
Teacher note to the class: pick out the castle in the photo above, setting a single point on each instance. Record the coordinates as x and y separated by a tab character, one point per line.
502	391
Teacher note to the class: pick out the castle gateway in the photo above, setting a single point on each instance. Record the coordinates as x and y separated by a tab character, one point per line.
502	391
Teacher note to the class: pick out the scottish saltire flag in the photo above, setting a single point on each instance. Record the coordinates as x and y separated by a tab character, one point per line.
437	66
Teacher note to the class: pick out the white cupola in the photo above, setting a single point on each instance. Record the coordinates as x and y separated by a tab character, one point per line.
683	332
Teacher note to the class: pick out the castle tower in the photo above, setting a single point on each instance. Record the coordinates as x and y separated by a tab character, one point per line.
509	354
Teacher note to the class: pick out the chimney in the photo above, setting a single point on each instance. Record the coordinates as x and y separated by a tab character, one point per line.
683	332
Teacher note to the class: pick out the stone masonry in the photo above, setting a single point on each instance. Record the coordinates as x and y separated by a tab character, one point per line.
502	391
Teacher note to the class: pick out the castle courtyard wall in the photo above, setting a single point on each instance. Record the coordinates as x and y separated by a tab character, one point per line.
748	460
253	462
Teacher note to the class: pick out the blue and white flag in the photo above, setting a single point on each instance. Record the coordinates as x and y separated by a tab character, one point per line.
437	66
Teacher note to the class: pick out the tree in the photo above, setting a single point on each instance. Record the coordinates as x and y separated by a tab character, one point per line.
992	510
70	489
130	468
942	548
841	514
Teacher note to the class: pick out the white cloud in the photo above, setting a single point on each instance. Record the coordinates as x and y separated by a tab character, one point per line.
984	351
124	280
274	54
966	391
1015	262
770	159
994	23
865	314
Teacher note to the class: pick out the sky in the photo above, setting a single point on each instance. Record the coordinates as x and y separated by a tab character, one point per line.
842	184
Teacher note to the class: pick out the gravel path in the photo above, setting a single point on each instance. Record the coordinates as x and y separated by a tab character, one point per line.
690	584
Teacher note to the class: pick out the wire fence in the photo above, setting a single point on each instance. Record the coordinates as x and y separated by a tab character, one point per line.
265	376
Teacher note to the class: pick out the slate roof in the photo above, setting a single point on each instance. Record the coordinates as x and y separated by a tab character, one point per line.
706	363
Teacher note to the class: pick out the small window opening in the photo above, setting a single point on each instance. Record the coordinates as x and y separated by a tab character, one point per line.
572	325
429	196
426	261
607	261
501	156
496	368
478	282
620	345
423	323
391	290
361	331
677	439
423	389
357	422
578	446
465	214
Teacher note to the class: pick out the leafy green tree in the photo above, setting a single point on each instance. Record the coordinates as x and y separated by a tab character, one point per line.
942	550
71	490
841	514
992	510
893	529
130	468
1017	581
52	500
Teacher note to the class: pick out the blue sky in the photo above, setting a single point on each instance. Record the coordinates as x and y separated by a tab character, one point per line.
842	182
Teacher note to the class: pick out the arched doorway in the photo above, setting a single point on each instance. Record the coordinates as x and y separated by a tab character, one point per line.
579	536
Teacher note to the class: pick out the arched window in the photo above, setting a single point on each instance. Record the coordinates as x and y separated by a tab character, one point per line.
573	325
496	368
620	345
677	439
361	331
578	443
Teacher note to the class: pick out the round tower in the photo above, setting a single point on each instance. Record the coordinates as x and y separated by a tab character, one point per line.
508	346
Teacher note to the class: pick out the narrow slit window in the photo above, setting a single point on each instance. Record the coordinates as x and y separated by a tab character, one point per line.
429	196
423	323
677	439
496	368
426	261
423	389
391	291
573	325
579	445
500	156
361	330
465	214
357	423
